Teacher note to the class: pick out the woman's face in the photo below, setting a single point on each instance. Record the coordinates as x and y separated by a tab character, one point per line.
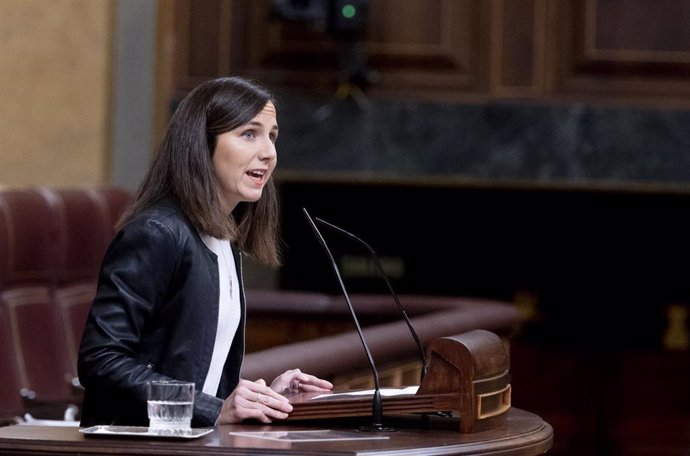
244	158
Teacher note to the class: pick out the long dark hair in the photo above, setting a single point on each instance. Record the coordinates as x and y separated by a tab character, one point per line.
183	167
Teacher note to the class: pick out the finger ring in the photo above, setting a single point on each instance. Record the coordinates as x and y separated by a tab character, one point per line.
299	385
258	397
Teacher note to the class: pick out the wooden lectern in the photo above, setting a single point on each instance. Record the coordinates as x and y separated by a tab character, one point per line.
467	374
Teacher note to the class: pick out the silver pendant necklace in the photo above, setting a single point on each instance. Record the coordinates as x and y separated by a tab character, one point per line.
227	266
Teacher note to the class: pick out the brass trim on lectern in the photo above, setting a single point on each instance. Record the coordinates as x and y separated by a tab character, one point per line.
503	395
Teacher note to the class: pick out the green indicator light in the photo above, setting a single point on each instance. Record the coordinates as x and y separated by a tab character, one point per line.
349	11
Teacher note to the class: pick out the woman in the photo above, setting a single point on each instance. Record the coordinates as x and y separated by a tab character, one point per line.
170	301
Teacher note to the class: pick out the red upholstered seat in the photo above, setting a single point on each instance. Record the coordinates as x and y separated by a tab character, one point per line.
85	223
116	199
11	404
74	303
34	245
4	242
83	220
39	343
52	242
33	239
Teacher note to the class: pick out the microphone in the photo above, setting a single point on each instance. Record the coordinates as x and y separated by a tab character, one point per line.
382	274
377	403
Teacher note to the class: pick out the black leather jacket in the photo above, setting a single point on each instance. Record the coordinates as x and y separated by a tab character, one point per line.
155	317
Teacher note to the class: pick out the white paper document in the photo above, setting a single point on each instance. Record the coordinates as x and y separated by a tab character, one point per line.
385	392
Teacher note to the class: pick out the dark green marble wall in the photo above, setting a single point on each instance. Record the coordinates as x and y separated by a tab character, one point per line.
570	142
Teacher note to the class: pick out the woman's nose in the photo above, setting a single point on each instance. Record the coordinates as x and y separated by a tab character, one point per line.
269	152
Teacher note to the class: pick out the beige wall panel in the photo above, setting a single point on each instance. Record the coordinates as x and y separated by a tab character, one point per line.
55	91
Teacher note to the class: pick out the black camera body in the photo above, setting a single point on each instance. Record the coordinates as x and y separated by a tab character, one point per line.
338	17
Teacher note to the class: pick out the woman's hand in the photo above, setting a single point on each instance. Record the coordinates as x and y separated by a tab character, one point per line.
253	400
258	401
296	381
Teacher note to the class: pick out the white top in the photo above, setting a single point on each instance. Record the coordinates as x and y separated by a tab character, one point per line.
228	310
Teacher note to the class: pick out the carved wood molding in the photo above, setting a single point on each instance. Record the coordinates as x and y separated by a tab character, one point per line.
449	49
622	48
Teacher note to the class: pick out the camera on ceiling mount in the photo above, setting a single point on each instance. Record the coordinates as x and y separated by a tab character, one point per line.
340	18
345	21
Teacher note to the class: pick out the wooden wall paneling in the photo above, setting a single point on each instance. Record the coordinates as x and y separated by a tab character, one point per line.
165	74
181	47
203	36
225	38
647	32
518	40
570	49
282	52
431	44
420	45
623	48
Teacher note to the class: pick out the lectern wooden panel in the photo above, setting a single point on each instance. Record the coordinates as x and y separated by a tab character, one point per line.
468	374
475	366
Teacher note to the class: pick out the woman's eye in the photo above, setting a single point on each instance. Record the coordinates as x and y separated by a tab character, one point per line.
249	134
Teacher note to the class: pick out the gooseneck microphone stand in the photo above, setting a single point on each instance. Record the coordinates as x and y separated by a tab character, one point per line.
382	274
377	402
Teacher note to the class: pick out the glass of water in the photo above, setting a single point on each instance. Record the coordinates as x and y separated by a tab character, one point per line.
170	405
